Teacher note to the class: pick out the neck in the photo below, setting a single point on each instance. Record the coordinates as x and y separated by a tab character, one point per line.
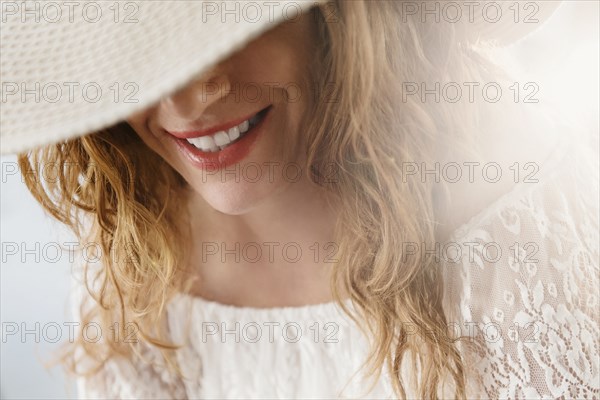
277	253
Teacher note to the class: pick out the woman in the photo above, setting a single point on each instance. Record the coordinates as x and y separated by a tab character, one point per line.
305	214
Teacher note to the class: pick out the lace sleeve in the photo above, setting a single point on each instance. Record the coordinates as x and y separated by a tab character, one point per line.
143	377
526	288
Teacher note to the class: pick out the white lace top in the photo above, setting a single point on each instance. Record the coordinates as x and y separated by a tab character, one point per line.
530	302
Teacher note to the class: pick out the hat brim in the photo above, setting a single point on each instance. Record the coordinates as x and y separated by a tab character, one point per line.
66	79
98	64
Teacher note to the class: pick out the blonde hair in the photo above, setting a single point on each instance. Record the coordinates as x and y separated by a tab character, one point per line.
367	133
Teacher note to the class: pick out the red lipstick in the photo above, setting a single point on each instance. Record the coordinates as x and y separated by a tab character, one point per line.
231	153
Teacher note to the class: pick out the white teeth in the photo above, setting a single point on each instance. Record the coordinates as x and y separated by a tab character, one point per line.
243	127
195	141
206	142
221	139
234	133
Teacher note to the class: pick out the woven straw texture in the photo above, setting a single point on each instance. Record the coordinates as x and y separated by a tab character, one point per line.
68	71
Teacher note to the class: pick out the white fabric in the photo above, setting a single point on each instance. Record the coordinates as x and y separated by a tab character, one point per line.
554	298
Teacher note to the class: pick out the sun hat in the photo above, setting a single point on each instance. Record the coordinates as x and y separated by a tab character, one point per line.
71	68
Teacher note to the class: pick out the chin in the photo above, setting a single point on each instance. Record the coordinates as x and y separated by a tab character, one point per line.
236	198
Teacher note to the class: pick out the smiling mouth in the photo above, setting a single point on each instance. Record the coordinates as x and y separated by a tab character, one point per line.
218	141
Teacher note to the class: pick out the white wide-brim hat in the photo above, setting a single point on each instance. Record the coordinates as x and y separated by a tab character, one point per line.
72	68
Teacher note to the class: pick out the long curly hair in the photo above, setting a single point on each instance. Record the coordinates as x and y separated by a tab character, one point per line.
115	192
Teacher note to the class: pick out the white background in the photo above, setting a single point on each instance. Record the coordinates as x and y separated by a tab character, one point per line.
562	57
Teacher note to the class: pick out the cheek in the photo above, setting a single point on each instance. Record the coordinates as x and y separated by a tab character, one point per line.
279	59
138	124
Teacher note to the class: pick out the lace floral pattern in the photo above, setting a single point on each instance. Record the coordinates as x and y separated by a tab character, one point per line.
533	304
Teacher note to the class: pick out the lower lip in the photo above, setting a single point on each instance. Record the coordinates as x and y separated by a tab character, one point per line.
232	154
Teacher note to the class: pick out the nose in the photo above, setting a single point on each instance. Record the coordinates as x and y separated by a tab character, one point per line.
192	101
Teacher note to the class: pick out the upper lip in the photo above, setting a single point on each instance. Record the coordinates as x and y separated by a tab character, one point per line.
188	134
